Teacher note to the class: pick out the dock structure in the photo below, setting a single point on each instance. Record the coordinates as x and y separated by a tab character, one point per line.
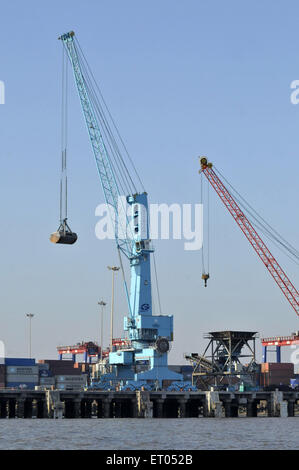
55	404
221	362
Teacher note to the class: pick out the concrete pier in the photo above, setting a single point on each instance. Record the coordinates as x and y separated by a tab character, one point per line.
143	404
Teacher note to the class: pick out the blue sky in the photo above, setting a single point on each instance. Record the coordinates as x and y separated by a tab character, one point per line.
182	79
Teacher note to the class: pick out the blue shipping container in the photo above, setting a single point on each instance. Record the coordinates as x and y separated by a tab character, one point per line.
19	361
29	385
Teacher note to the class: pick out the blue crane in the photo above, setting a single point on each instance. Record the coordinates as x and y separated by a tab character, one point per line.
146	362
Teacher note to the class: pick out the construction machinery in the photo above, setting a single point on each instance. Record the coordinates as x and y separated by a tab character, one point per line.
149	335
222	365
278	274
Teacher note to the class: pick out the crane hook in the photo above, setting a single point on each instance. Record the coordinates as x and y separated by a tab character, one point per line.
205	277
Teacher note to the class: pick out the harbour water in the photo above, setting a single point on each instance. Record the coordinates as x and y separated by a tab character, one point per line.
161	434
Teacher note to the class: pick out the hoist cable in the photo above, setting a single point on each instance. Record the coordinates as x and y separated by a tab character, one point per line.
272	232
64	126
208	228
203	245
109	140
263	226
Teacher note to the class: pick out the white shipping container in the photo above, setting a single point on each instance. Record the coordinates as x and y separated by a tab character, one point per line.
80	379
22	370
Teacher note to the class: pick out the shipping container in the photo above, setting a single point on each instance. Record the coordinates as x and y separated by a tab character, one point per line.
70	378
45	373
22	378
74	372
266	379
279	366
64	386
280	373
25	386
43	366
22	370
58	367
18	361
47	380
56	361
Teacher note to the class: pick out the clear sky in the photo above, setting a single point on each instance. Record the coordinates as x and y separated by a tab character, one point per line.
182	79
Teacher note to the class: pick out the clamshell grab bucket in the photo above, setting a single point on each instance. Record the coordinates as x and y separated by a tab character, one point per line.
63	235
65	238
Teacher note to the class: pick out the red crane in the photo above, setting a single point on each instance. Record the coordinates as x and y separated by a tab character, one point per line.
280	277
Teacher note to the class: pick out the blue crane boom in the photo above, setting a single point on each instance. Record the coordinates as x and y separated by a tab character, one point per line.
150	334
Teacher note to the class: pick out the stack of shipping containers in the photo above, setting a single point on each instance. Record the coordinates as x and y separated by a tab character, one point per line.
276	373
46	379
21	373
62	374
71	382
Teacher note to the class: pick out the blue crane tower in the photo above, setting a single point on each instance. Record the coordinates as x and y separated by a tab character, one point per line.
145	364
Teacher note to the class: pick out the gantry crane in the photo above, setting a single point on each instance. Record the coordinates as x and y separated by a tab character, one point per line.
150	335
278	274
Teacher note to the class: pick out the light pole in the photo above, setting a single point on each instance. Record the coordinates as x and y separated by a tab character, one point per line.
30	316
114	269
102	304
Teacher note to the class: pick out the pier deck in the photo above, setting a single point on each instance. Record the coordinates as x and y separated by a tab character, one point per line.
162	404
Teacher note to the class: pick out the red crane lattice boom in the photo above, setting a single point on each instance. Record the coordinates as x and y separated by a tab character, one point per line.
259	246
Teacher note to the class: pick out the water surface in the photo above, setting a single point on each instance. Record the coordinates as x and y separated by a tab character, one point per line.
176	434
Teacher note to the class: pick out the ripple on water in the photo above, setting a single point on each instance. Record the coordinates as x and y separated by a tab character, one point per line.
169	434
